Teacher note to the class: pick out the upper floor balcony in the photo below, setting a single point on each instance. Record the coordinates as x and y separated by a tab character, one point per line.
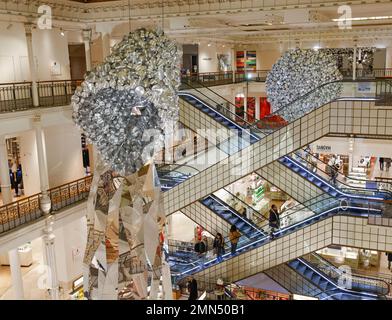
18	96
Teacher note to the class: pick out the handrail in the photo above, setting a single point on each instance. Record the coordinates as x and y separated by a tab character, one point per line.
339	174
57	81
13	83
21	211
319	208
375	278
326	277
247	205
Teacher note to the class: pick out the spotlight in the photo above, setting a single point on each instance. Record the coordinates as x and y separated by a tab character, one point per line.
62	33
209	44
316	47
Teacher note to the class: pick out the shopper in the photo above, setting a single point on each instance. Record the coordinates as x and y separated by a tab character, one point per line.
274	220
219	246
334	172
200	247
381	160
389	255
234	237
192	289
219	289
387	162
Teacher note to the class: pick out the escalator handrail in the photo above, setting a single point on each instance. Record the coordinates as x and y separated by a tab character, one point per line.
194	264
336	269
222	203
339	173
286	105
219	112
331	206
258	214
321	274
335	187
305	95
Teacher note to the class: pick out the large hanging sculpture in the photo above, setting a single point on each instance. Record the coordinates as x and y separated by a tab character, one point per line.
302	80
125	106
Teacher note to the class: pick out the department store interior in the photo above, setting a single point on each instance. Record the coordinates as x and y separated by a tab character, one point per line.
272	183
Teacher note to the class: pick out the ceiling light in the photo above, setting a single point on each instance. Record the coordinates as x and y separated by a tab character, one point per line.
363	18
62	33
209	44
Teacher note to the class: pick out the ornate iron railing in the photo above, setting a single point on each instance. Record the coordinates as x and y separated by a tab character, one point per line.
17	213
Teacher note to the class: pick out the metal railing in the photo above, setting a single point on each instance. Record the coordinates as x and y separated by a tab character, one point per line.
359	283
15	96
17	213
56	93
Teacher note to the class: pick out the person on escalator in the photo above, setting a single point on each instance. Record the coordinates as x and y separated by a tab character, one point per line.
219	246
381	160
274	220
389	255
192	289
387	163
234	237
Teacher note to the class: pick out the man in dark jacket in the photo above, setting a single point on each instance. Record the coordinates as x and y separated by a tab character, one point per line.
389	255
274	220
192	288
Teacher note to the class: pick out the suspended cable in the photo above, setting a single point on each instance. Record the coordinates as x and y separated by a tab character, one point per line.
129	15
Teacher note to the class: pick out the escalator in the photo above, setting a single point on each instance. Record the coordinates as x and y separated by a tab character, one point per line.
248	143
319	272
335	284
295	219
315	171
324	275
224	117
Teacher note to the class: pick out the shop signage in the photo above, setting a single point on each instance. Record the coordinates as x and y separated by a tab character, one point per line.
323	148
364	86
207	59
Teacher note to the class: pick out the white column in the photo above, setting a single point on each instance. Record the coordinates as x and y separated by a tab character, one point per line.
105	44
257	106
87	49
4	173
355	63
50	258
351	143
42	164
33	71
388	60
16	274
233	62
246	89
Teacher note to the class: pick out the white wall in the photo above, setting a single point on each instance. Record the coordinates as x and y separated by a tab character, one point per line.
13	53
64	154
70	243
181	227
208	60
48	46
29	161
362	147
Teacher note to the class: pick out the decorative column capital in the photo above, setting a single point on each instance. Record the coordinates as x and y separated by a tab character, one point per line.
87	33
29	28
